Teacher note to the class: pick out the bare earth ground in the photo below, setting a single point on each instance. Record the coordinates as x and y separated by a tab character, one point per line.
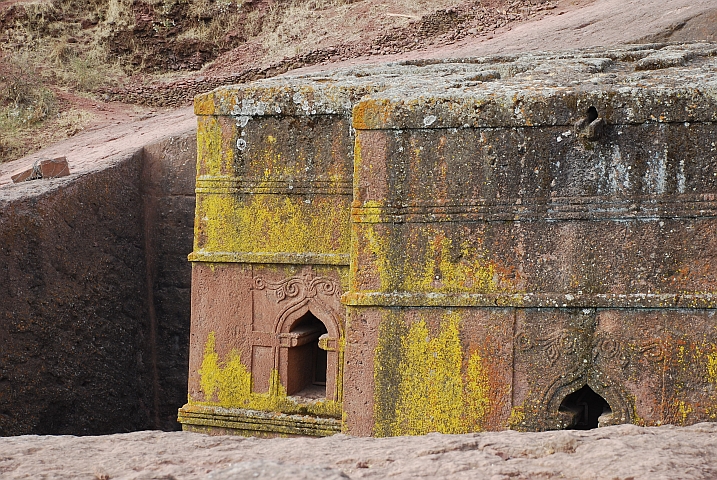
621	452
572	24
579	24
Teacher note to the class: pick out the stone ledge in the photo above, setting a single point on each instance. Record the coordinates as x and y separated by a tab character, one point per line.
629	85
607	208
239	421
706	301
250	186
271	258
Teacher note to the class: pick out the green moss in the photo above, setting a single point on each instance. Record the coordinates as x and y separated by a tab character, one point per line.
425	388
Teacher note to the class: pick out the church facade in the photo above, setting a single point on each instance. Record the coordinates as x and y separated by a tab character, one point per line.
524	242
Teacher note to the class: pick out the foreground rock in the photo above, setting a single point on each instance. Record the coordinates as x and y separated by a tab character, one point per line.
620	452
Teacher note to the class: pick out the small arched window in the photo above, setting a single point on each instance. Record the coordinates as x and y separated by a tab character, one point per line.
586	408
306	361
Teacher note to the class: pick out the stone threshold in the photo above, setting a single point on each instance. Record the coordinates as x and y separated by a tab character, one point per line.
239	421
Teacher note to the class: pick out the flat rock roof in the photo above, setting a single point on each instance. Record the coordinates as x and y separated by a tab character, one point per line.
633	84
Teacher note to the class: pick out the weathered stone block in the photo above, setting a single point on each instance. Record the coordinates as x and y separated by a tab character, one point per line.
45	168
529	241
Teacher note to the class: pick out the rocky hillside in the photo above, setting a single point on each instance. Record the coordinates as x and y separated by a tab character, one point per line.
63	62
66	66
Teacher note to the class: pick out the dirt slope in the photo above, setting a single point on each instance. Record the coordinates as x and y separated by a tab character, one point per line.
64	70
61	61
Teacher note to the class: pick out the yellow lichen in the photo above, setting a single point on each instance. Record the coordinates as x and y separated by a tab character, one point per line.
434	393
684	409
204	104
209	372
471	273
371	114
214	157
437	267
380	254
517	417
430	392
712	368
272	218
270	223
712	380
476	393
228	385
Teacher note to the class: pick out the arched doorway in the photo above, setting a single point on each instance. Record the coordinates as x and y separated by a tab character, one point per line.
306	361
585	407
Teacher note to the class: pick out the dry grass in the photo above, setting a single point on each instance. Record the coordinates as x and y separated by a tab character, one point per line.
60	50
213	20
24	105
23	98
18	140
66	44
31	117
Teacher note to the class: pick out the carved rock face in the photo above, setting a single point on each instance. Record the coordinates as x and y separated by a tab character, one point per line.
508	231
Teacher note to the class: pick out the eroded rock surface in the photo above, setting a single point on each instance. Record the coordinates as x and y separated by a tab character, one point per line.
94	283
620	452
542	224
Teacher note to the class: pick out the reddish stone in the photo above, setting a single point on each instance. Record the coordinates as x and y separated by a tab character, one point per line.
44	168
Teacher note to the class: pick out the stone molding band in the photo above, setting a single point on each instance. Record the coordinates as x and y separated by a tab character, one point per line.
252	422
341	259
249	186
566	208
532	300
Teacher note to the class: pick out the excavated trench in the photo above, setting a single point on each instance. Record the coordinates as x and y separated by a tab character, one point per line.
94	286
95	282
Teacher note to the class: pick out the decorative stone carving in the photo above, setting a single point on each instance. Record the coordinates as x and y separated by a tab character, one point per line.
299	291
483	200
302	287
576	358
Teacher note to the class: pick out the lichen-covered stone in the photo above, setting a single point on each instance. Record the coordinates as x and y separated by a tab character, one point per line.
518	228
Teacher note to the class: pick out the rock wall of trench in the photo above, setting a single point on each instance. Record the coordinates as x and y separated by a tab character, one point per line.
94	295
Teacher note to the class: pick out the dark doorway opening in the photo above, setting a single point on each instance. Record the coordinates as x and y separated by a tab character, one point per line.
306	361
592	115
586	407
